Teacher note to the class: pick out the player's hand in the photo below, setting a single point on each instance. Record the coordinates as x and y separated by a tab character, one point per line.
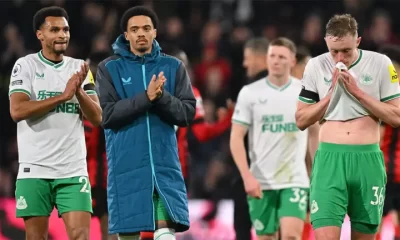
230	104
83	73
71	87
350	83
252	186
156	86
335	78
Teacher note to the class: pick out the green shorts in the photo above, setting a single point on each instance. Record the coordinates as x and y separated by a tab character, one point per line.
275	204
38	197
348	179
159	208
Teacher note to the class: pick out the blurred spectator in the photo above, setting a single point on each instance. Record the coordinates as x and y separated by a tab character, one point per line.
302	57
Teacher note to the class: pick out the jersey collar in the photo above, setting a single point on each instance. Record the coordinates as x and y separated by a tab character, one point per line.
281	88
360	53
44	60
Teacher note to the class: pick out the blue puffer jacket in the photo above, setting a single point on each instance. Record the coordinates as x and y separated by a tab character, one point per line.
140	138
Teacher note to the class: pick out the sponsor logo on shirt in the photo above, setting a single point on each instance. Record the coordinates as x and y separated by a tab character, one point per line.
67	107
16	83
393	74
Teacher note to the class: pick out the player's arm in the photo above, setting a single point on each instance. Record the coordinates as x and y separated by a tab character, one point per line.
238	150
313	140
387	109
179	109
310	108
21	105
118	112
88	101
241	120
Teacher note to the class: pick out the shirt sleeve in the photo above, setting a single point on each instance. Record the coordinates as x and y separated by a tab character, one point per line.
89	85
21	76
309	92
389	81
243	109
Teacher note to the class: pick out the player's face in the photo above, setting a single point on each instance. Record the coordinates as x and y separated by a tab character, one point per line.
54	35
280	60
252	62
343	49
140	33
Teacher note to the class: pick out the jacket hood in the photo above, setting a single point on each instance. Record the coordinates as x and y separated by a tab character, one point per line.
121	47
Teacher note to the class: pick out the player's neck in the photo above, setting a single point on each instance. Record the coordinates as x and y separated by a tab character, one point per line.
51	56
279	81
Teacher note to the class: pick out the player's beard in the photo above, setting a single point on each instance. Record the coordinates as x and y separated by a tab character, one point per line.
59	50
142	49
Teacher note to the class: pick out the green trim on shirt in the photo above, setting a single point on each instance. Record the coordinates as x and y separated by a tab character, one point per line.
358	59
386	99
306	100
279	88
41	57
241	122
90	92
20	91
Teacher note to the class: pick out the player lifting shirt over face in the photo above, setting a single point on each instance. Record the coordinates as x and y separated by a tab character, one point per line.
49	95
348	174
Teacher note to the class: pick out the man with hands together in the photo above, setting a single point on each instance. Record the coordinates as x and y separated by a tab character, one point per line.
144	93
349	91
48	92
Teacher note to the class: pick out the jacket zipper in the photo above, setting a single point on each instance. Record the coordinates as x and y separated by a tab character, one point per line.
153	179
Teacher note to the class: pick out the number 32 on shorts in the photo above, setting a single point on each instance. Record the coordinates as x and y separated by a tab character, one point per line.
85	184
378	196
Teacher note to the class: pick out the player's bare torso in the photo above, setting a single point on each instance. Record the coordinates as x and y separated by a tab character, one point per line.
363	130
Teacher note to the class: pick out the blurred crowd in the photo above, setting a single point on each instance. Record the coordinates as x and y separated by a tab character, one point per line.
212	33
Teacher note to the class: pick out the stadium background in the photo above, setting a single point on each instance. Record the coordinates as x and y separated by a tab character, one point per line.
212	33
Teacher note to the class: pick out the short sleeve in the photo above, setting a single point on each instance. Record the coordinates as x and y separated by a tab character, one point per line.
21	76
309	92
89	85
389	82
243	109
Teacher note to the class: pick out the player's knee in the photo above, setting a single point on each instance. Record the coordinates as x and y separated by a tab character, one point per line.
327	229
35	236
294	235
79	233
291	238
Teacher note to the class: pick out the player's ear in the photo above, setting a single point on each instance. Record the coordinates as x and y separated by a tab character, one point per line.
358	41
155	33
294	61
126	36
39	35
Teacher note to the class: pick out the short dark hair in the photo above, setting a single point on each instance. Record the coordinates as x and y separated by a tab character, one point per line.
258	45
341	26
302	53
138	11
391	51
42	14
284	42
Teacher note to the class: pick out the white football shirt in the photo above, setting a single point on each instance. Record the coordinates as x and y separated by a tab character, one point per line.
277	148
374	73
52	146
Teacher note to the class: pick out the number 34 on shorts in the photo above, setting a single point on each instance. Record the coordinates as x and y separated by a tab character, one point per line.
38	197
